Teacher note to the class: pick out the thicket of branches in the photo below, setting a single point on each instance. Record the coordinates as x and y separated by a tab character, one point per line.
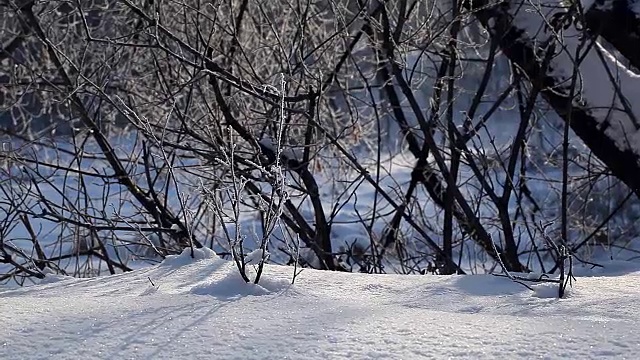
264	130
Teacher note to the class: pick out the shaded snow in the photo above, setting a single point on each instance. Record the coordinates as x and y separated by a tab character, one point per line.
202	309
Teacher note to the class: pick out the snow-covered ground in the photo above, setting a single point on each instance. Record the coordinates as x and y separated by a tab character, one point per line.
202	309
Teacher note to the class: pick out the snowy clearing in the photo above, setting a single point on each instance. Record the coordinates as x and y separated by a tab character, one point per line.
202	309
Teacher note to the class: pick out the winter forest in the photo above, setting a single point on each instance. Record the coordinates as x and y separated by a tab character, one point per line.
229	170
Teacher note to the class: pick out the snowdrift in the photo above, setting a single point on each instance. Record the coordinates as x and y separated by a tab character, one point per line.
200	308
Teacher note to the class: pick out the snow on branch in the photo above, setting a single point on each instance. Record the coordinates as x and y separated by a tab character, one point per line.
602	108
618	22
609	92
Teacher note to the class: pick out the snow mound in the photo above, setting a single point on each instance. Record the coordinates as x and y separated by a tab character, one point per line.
546	290
186	257
233	287
50	277
609	268
230	288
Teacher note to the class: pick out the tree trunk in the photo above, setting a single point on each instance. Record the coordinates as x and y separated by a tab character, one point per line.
601	111
616	22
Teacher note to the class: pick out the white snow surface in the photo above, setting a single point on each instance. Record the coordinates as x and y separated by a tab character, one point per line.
200	309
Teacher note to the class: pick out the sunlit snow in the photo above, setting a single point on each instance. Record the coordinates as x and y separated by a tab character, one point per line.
200	308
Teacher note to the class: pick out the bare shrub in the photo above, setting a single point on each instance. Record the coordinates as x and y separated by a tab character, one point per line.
355	136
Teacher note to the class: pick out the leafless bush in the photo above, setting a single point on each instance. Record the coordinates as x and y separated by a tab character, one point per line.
273	131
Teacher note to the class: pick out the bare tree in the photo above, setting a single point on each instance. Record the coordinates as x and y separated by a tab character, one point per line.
175	126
